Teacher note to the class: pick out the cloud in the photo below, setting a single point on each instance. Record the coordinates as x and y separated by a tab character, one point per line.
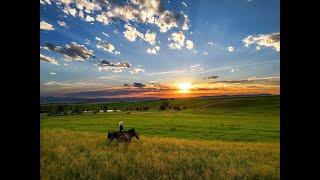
106	46
266	81
131	34
138	85
177	40
44	2
150	37
189	44
210	77
52	73
72	51
230	49
46	26
106	65
70	11
196	67
81	15
136	70
210	43
205	53
266	40
183	3
105	34
154	50
143	11
89	18
48	59
55	83
63	24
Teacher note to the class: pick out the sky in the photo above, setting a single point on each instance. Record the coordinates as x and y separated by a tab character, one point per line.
154	48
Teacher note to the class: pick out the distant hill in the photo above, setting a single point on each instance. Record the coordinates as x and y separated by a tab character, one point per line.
55	99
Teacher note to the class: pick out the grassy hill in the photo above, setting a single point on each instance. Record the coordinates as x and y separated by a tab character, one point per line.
214	138
233	119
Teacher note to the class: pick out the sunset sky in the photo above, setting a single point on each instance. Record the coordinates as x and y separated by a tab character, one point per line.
153	48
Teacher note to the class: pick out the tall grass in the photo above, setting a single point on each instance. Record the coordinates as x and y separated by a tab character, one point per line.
80	155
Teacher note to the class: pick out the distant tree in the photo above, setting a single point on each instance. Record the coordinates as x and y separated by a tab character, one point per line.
185	107
78	110
177	108
145	108
105	108
95	110
60	109
164	106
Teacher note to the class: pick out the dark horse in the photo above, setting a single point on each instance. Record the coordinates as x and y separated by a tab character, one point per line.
123	136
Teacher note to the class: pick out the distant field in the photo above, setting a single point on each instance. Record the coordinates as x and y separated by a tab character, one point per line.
233	119
214	138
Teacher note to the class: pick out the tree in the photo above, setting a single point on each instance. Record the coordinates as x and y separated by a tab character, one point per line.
95	110
77	110
164	106
105	108
177	108
60	109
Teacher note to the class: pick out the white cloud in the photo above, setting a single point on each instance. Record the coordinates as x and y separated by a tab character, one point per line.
177	40
210	43
45	2
150	37
185	5
143	11
196	67
205	53
189	44
136	70
89	18
69	10
81	14
154	50
48	59
266	40
46	26
52	73
105	34
230	49
131	34
55	83
61	23
105	45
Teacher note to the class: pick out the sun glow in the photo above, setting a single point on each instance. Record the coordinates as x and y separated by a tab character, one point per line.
184	86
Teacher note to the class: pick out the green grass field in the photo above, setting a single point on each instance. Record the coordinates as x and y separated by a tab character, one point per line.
214	138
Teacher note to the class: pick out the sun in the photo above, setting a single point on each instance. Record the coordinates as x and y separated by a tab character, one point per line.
185	86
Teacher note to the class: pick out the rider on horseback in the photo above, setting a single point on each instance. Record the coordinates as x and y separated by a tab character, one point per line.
122	129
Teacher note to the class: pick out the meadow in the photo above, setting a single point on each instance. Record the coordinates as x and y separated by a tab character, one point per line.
213	138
